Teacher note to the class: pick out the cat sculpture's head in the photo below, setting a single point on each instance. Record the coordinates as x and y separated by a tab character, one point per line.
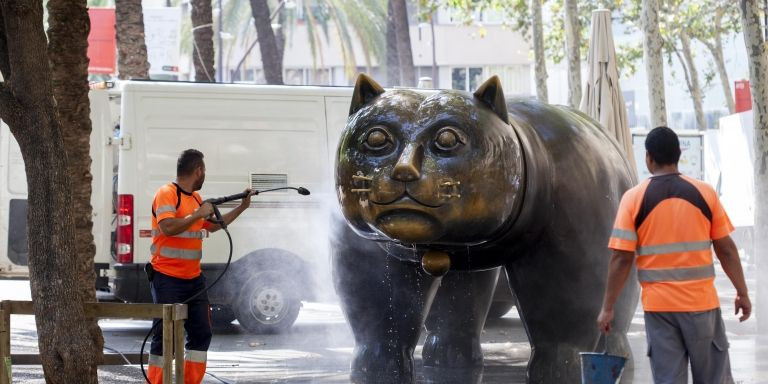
423	169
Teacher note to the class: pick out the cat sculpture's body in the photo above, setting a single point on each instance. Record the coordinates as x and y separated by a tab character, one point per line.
467	183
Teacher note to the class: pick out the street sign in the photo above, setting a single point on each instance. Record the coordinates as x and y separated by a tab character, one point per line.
162	30
691	157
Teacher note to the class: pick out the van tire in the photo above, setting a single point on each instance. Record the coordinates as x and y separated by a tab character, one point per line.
268	303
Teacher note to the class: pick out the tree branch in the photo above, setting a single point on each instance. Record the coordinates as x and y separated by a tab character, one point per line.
685	68
26	50
5	65
9	106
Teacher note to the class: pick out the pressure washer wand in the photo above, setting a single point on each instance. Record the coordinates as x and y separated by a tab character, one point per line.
238	196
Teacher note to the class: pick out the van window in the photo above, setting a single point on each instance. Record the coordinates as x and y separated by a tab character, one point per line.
18	247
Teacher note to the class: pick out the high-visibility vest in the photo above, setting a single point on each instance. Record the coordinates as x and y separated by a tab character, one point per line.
178	255
669	222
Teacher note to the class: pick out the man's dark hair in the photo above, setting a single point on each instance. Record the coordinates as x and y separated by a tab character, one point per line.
189	160
663	146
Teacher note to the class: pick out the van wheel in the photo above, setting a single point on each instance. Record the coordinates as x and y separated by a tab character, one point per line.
267	303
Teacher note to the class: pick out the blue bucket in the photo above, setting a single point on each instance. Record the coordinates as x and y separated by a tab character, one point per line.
601	368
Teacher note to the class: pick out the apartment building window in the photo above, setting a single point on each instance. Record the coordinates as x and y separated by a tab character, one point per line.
466	78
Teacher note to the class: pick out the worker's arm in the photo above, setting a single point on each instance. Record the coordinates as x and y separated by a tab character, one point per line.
618	272
173	225
726	252
233	214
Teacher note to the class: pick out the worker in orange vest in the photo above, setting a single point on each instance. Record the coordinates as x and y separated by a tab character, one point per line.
179	226
667	225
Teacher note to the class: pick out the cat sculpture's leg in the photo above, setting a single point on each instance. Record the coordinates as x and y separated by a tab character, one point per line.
559	293
452	351
385	302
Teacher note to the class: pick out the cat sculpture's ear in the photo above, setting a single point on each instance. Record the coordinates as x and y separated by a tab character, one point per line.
366	89
490	93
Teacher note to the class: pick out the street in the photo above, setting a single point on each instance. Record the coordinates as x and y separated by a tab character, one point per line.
319	347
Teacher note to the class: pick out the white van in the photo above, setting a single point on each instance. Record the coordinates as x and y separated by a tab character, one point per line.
13	195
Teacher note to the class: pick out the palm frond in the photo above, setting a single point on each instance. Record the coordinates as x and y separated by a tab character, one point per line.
345	41
315	46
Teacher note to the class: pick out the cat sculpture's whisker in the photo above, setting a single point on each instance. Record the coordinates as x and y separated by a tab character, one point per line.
452	188
362	179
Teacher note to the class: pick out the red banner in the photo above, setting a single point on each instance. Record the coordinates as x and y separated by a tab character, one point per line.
102	46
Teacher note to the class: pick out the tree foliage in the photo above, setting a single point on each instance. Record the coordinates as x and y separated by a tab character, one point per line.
324	20
517	16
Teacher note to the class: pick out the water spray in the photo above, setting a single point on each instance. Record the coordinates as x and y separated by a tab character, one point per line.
217	220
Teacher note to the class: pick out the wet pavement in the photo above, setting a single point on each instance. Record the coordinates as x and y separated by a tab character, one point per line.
319	348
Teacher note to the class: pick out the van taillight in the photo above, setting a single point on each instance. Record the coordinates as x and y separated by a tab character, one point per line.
124	229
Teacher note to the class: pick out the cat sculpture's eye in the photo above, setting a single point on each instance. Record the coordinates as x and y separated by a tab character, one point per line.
448	139
377	139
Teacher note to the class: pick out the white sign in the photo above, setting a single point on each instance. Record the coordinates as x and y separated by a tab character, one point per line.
162	30
691	156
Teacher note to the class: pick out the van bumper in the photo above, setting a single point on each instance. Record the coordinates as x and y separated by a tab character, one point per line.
131	283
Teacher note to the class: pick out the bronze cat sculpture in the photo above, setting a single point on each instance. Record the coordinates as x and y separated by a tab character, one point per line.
467	183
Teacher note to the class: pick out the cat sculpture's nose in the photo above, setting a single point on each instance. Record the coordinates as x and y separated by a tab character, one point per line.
409	164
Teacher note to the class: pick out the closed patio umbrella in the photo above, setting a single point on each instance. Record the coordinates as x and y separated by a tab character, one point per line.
602	98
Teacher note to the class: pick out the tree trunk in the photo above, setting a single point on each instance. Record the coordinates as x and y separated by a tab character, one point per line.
758	73
270	55
538	52
393	60
202	52
132	62
573	52
692	77
403	36
65	338
716	49
69	25
280	36
654	65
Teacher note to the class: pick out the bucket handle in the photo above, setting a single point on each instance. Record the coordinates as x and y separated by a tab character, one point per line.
604	338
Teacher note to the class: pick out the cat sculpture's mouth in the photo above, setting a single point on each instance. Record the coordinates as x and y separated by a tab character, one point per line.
406	199
407	219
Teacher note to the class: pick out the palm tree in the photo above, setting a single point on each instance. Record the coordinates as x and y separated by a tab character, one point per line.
132	62
271	58
202	29
399	21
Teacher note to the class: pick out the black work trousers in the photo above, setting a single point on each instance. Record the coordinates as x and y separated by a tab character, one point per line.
172	290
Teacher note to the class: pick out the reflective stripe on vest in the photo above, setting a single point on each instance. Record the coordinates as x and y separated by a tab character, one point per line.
624	234
674	248
676	274
183	235
164	209
155	360
196	356
177	253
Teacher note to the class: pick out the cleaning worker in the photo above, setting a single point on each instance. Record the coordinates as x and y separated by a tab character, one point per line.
667	225
179	226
